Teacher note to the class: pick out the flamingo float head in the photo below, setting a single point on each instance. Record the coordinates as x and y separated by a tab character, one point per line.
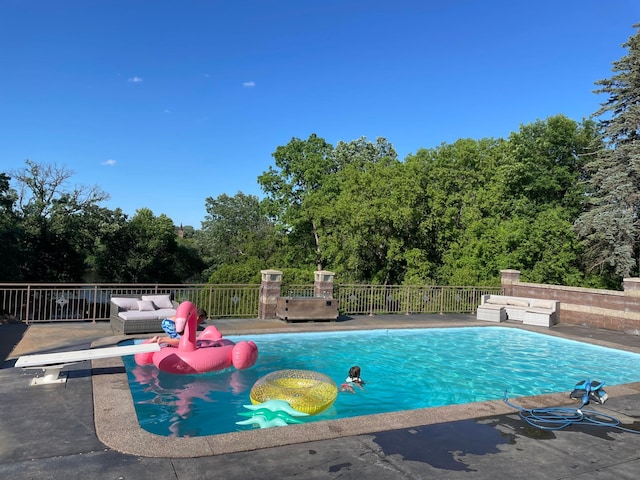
184	312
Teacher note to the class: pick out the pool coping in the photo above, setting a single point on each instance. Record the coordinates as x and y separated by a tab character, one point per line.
117	426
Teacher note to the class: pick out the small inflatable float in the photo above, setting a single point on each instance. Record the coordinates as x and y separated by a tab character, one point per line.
304	390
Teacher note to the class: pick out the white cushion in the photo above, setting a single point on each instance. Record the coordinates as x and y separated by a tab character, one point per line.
496	301
490	306
515	302
138	315
149	315
543	304
146	305
125	303
161	301
166	313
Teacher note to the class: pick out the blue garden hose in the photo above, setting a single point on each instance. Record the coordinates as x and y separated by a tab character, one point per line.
557	418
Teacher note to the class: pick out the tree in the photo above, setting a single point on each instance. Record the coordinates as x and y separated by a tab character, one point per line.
142	250
361	225
547	161
458	184
112	246
360	153
59	224
610	224
41	187
11	234
302	167
495	204
235	229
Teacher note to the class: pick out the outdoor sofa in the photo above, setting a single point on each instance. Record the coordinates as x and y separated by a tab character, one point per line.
140	314
530	311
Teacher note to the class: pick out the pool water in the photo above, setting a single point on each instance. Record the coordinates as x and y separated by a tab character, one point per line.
403	369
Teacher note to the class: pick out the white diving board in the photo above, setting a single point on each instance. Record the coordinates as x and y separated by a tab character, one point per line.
52	363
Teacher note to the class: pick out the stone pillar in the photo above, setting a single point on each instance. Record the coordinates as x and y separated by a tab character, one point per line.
269	293
323	284
508	278
631	287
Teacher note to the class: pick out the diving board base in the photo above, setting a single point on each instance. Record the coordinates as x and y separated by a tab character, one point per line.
52	374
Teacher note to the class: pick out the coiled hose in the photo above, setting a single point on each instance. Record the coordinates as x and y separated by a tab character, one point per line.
557	418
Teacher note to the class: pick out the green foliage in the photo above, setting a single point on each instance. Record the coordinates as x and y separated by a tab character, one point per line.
456	214
547	163
609	225
11	234
142	250
362	226
244	273
493	205
236	229
302	168
248	273
153	244
296	276
189	265
543	248
57	225
458	190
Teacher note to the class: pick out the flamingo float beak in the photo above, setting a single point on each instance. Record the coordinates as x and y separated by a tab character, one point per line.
180	324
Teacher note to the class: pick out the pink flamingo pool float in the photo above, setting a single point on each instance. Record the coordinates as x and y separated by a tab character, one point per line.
209	352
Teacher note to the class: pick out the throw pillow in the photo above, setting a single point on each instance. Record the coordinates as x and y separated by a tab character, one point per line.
160	301
125	303
146	306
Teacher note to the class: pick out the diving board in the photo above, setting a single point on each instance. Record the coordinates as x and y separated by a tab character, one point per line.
53	363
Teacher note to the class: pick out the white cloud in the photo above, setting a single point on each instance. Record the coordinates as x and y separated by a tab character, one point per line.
109	163
135	79
249	84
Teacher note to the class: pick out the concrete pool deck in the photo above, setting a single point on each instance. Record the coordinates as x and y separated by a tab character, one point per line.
88	425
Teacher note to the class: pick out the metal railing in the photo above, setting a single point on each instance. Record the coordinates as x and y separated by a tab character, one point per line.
32	303
408	299
297	291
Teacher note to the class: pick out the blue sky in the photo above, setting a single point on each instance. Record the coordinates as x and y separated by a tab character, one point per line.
165	103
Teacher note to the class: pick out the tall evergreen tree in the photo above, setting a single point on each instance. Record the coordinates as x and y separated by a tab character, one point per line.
610	224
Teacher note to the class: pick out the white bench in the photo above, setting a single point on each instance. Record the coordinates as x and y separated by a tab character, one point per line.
53	363
530	311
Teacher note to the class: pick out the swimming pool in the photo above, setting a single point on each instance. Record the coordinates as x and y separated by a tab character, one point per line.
404	369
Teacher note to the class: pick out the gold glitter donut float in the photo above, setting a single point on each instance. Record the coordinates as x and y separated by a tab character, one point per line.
305	390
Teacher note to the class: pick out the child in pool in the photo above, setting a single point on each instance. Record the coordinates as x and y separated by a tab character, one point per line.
352	379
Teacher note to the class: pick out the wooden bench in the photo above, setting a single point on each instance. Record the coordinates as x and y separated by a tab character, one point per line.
530	311
53	363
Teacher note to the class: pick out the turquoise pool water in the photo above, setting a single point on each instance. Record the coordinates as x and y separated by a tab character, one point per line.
403	369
